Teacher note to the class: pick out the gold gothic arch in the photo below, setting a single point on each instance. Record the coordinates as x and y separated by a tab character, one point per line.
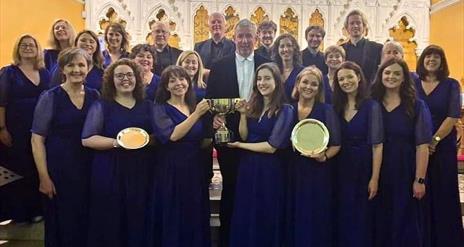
404	34
200	26
174	38
258	16
289	23
232	18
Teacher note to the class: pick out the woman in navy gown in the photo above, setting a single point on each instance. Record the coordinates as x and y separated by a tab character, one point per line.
62	163
62	36
181	206
360	158
310	215
144	56
21	83
334	56
442	94
117	43
286	53
88	41
265	126
407	123
120	177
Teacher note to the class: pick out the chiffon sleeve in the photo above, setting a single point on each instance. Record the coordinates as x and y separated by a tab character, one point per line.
423	124
280	136
375	124
43	113
4	86
333	125
93	124
163	126
454	107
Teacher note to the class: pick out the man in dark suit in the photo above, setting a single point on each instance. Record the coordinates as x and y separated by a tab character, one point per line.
312	55
165	54
266	35
232	77
366	53
218	46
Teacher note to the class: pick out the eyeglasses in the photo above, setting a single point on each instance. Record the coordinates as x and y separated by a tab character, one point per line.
120	76
25	46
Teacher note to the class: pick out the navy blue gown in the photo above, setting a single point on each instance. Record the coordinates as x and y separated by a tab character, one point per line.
50	58
107	58
355	213
290	82
258	214
400	217
328	92
445	213
58	120
120	178
181	201
93	80
310	205
150	89
20	200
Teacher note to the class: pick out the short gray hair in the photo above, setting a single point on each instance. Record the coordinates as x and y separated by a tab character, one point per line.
245	23
395	44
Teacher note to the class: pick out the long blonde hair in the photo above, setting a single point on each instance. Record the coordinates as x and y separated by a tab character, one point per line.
198	78
54	43
39	59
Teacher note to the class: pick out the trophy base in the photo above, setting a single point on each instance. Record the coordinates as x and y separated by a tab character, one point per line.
222	137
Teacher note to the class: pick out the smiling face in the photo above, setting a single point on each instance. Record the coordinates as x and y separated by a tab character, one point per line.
391	51
286	49
392	76
27	48
265	82
145	60
266	36
334	60
348	81
314	39
87	43
308	86
114	38
217	25
355	26
177	86
61	31
160	33
124	79
432	62
76	70
245	39
190	64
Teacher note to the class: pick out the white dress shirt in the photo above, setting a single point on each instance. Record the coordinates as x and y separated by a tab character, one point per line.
245	74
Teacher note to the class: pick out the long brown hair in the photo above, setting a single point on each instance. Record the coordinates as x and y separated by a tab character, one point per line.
118	28
407	90
108	88
97	57
256	103
340	98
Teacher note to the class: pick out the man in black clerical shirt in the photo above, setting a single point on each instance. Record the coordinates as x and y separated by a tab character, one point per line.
218	46
312	55
365	53
266	35
165	54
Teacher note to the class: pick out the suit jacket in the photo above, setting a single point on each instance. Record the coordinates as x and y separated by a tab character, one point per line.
223	83
317	60
173	55
371	55
204	49
263	52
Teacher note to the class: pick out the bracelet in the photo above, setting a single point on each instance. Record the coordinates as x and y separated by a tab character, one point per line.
115	143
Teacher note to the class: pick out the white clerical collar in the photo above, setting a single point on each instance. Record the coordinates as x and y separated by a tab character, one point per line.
249	58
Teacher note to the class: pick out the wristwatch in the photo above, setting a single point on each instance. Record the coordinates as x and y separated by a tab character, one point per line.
420	180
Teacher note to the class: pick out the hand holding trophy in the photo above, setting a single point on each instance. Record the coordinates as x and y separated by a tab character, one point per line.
222	107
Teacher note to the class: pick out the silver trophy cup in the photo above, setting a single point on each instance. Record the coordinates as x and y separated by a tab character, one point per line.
223	107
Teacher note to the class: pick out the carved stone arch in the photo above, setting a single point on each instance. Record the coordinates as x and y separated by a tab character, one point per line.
289	22
394	20
155	14
259	14
405	34
232	18
103	10
200	23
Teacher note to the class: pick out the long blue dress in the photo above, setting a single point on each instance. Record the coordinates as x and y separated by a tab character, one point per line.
445	213
181	202
20	200
355	213
150	90
120	178
93	80
107	58
58	120
290	82
258	214
310	205
400	217
328	92
50	58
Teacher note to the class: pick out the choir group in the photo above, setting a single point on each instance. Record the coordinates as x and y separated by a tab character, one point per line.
387	178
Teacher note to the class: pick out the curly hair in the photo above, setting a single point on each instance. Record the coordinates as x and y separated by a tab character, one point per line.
143	48
340	98
118	28
311	70
407	90
108	88
443	71
296	50
162	93
256	103
97	57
